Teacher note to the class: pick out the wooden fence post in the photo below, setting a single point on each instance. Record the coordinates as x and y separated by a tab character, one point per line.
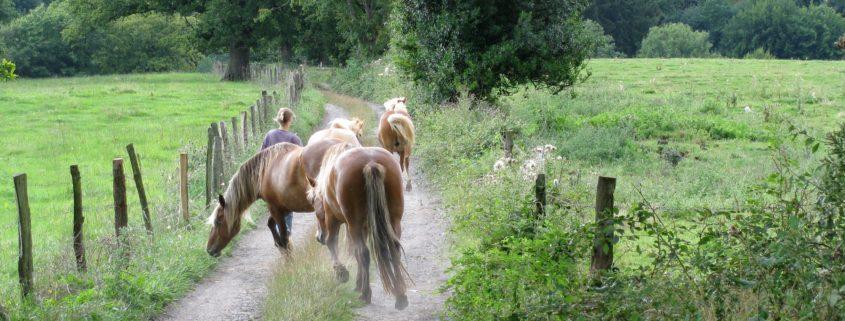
236	142
183	186
252	121
228	152
602	258
121	218
540	196
507	142
245	129
78	220
262	122
24	235
209	169
139	185
217	146
218	164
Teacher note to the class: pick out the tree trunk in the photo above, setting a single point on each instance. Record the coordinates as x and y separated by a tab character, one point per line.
238	68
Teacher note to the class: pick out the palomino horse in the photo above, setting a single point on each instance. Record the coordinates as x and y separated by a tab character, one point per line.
396	134
356	125
281	175
337	132
362	187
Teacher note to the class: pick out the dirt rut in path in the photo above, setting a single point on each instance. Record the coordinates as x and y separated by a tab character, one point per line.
237	288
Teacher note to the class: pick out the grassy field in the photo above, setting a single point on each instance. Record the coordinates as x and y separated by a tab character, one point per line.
50	124
683	135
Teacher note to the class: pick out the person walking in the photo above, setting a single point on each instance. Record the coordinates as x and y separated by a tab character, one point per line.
282	135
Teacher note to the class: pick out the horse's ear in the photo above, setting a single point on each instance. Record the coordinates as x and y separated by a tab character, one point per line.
221	200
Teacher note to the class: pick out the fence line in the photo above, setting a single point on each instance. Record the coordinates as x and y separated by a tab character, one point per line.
219	152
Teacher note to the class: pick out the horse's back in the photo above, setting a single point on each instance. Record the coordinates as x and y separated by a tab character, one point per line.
312	155
351	184
334	133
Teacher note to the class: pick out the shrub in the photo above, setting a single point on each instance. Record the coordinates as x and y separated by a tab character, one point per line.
489	47
759	53
603	46
785	30
675	40
710	15
35	44
7	70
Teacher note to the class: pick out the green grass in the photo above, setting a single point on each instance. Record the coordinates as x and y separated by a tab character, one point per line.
610	125
50	124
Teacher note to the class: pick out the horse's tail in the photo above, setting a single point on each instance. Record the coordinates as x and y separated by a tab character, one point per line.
403	127
383	240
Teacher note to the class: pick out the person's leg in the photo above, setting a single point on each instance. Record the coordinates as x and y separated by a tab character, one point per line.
289	222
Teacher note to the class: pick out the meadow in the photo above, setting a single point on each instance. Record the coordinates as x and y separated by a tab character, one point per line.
685	138
53	123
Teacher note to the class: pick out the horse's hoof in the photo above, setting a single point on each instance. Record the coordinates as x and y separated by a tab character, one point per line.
401	302
366	298
341	273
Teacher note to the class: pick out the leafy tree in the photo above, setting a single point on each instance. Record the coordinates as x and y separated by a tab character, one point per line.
236	26
627	21
785	30
360	22
710	16
603	46
24	6
7	70
35	44
675	40
488	47
7	11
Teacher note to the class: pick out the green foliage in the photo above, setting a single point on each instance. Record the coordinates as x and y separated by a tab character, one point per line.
488	48
139	43
785	30
7	11
35	43
627	21
602	43
710	16
759	53
146	43
675	40
598	144
7	70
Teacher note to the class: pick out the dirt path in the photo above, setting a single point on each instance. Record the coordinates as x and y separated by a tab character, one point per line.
237	288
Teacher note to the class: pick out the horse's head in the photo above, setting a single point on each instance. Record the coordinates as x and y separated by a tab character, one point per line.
357	126
225	224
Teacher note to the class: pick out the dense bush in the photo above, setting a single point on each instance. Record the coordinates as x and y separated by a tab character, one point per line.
603	46
710	16
785	30
627	21
487	47
675	40
7	70
139	43
34	42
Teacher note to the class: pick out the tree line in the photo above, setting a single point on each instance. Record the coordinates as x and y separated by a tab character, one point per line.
483	47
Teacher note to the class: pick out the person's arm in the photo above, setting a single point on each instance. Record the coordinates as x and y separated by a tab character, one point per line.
296	140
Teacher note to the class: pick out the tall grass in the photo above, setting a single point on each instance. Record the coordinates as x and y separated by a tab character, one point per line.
304	287
73	121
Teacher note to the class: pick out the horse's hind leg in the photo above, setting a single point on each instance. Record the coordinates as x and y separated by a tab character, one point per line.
404	161
332	231
362	255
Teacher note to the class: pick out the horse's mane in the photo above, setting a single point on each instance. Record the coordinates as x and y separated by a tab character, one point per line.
243	188
319	192
396	104
354	124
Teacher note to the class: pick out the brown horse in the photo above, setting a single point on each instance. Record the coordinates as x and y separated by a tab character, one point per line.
362	187
280	176
396	134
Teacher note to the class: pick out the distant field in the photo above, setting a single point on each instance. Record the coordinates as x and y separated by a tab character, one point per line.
49	124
